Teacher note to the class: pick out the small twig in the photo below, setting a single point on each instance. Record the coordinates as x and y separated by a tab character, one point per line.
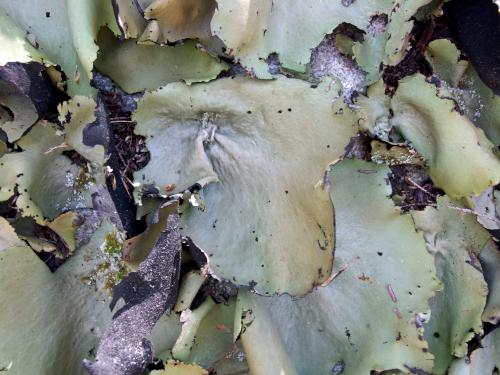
62	145
456	208
121	158
469	211
121	122
419	187
125	184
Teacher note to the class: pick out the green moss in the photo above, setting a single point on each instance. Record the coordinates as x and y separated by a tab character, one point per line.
84	180
112	243
102	267
114	277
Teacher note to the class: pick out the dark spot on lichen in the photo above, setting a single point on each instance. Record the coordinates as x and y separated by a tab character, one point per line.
338	368
416	370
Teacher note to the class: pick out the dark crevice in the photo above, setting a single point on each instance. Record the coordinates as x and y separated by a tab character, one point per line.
127	151
414	61
475	27
475	342
31	79
50	259
412	188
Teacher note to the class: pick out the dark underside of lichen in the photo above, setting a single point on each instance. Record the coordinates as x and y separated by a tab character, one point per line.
414	61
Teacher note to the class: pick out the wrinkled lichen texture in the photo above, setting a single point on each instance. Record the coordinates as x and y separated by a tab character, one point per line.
268	221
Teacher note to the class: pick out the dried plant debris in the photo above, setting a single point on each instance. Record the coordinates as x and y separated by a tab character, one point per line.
244	141
412	189
129	147
147	293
